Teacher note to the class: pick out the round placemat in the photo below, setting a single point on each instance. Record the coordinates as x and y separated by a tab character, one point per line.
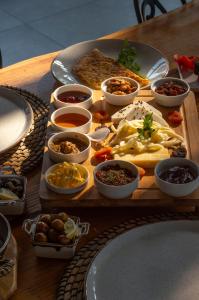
27	154
71	286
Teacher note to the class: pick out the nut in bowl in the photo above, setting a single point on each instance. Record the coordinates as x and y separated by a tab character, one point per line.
72	147
116	179
120	90
66	178
177	177
170	91
73	94
55	235
72	118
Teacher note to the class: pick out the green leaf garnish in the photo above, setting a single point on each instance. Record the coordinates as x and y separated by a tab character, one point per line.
147	130
127	57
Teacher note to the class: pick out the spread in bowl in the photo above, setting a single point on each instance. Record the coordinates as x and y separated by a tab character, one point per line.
115	175
170	88
76	94
178	175
72	118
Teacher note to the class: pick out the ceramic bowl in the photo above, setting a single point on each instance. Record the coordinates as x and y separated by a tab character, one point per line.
73	158
54	250
119	100
121	191
172	189
5	233
170	101
67	191
74	110
73	87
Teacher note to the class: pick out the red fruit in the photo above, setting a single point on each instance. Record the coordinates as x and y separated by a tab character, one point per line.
175	118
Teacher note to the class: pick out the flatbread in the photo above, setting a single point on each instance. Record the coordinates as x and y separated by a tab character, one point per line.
93	68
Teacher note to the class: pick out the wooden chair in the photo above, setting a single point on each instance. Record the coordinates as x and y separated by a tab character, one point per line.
141	6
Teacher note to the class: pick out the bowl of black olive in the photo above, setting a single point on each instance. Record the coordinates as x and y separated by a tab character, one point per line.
177	177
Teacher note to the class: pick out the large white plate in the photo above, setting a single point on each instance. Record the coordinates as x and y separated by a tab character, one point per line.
16	117
153	64
152	262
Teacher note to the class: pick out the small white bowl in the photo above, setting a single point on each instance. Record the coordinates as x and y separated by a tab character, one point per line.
120	100
170	101
172	189
75	110
73	87
73	158
120	191
67	191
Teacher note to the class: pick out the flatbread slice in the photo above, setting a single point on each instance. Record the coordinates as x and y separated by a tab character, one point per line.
93	68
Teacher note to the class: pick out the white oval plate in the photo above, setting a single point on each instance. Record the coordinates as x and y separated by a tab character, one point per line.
16	118
153	64
153	262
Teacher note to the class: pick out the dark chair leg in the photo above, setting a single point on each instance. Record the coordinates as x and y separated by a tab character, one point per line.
1	63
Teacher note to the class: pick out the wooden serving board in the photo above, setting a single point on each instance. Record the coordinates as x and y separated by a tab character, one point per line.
8	283
147	193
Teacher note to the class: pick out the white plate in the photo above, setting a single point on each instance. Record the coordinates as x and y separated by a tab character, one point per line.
153	262
16	118
153	64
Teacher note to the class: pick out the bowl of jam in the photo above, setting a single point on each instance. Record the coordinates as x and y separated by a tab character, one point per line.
170	91
177	177
73	94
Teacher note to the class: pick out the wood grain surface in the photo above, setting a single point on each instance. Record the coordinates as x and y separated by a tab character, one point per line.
176	32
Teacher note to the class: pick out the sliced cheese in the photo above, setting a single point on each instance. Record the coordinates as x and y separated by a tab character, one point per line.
132	109
6	194
145	160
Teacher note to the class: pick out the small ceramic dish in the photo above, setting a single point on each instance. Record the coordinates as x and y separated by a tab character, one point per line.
170	101
71	157
117	191
72	190
73	88
173	189
10	181
76	111
120	100
54	250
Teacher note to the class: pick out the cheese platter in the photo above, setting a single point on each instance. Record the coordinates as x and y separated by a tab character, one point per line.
147	193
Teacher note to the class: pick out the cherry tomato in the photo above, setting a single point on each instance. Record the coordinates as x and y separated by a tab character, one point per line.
101	116
103	154
175	118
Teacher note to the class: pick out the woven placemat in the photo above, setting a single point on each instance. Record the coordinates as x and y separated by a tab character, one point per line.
71	286
28	153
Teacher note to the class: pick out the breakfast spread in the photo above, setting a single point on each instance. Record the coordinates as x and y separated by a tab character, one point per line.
73	96
170	89
66	175
178	175
120	87
69	146
115	175
71	120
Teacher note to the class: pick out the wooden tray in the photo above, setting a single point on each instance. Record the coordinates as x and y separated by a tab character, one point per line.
8	283
148	193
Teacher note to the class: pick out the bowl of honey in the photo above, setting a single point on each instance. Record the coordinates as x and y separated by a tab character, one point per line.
72	118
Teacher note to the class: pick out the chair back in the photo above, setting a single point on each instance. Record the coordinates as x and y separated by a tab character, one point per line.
141	8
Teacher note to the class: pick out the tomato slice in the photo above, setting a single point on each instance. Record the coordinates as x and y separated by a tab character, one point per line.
101	116
185	62
103	154
175	118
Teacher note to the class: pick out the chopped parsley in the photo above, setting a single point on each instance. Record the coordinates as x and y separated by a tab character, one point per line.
127	57
147	130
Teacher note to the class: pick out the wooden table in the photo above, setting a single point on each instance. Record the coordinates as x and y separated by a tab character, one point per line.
176	32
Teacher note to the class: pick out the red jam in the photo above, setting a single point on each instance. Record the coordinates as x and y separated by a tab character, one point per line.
73	96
